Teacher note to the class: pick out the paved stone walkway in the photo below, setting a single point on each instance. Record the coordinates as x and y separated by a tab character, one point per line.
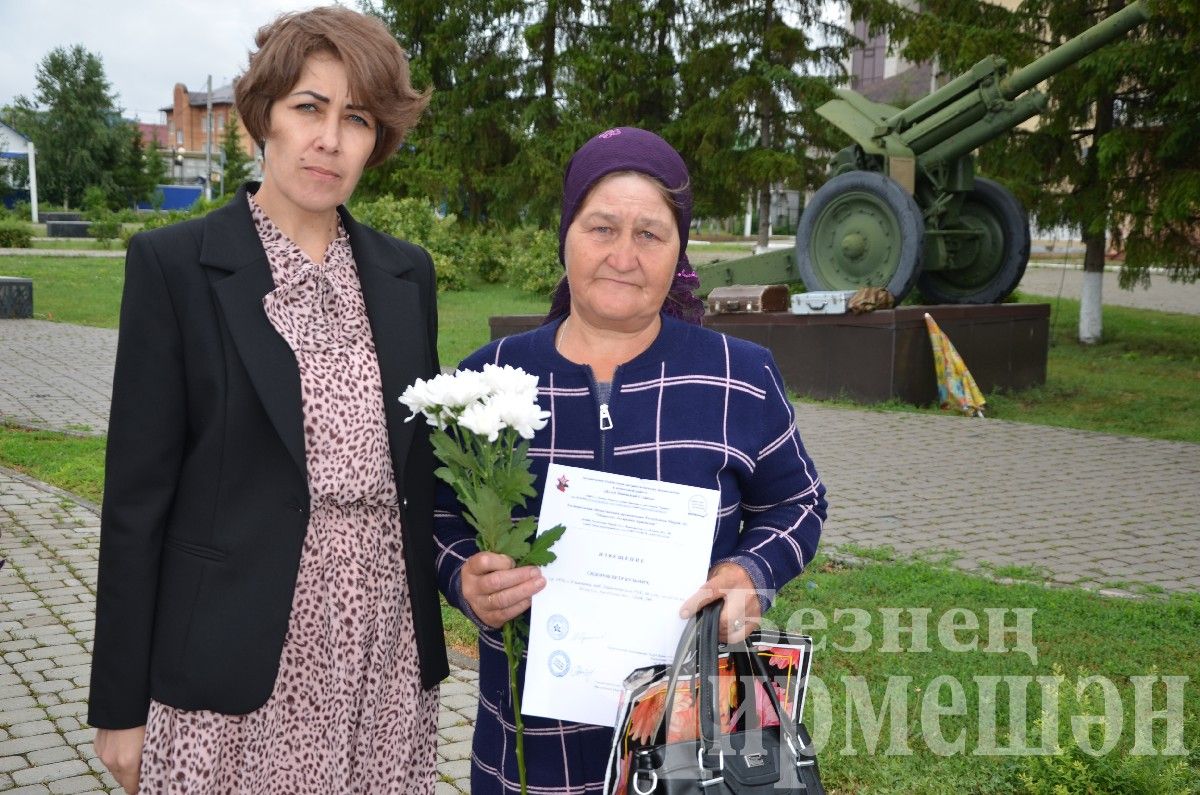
1092	509
56	375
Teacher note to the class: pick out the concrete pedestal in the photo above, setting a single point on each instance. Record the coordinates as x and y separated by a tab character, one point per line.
883	355
68	228
16	297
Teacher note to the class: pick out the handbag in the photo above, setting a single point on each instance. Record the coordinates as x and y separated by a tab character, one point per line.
751	759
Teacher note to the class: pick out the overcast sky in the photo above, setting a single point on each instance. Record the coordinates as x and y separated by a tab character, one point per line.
147	45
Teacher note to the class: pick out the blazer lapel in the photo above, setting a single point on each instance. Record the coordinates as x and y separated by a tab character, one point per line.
231	244
398	325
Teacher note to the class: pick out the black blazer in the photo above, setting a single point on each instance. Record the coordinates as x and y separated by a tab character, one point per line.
205	493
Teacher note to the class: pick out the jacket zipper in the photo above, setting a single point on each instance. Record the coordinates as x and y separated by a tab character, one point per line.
606	422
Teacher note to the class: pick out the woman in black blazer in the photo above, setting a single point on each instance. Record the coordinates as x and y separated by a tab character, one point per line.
267	612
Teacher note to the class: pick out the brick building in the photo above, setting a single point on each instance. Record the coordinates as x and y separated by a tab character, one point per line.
880	73
154	133
185	128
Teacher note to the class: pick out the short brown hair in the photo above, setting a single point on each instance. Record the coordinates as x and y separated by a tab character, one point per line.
376	66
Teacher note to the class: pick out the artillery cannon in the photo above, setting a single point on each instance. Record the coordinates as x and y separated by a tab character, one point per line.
903	204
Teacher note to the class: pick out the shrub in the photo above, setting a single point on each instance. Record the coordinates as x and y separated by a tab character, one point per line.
486	247
409	219
414	220
95	202
105	227
127	233
206	206
15	233
155	220
530	259
21	211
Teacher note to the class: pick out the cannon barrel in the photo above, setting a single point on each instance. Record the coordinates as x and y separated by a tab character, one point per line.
959	106
1084	44
978	134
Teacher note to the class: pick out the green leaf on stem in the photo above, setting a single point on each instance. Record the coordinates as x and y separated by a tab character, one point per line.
448	452
450	476
488	514
513	545
513	484
539	551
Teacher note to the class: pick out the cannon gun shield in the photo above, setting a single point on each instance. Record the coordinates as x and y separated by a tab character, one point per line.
861	229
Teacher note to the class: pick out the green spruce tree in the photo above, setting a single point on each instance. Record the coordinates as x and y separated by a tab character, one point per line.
469	55
237	164
753	74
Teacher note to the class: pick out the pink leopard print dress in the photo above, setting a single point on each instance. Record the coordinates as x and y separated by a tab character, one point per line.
348	713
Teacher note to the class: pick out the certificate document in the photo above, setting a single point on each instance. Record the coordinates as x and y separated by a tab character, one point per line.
633	552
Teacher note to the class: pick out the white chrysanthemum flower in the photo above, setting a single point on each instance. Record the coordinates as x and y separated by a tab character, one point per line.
417	398
456	390
519	412
482	420
510	380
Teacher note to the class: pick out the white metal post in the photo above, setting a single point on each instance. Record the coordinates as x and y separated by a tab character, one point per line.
33	197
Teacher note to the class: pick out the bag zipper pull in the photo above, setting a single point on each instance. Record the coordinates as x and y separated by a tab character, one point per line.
605	418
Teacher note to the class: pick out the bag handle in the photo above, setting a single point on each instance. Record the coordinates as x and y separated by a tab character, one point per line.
700	640
707	674
684	651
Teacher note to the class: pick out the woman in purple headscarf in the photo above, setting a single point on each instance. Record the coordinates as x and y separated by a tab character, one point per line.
637	387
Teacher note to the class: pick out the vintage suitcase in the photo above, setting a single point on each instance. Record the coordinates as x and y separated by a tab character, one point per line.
748	298
829	302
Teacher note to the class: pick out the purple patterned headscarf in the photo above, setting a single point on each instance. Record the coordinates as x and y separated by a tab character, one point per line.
631	149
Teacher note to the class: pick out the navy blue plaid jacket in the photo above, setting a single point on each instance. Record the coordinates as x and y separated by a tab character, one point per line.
698	408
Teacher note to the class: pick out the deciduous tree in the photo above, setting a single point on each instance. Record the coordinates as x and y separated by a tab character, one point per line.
74	122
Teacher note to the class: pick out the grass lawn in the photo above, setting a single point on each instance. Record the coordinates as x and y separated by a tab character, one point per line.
1143	379
70	462
81	243
81	290
1074	635
463	317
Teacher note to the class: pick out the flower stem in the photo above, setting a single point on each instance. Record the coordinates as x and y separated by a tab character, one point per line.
512	650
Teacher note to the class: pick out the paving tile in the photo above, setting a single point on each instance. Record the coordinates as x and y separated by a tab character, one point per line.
75	785
31	728
58	753
42	774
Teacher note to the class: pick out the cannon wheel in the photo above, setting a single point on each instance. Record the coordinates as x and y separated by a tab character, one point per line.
993	263
861	229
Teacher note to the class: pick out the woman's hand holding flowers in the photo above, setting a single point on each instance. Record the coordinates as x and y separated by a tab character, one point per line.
496	590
